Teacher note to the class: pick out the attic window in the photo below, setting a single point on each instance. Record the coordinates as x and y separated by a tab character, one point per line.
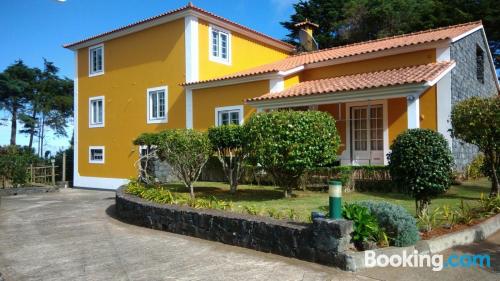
220	45
479	64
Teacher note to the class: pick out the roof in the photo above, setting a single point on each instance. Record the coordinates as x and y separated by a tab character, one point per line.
188	7
432	35
426	73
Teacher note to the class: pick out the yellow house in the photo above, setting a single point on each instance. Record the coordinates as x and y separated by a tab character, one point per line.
189	68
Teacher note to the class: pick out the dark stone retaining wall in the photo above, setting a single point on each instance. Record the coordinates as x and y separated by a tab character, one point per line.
324	241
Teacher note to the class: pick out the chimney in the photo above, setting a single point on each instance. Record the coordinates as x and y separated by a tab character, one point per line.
307	42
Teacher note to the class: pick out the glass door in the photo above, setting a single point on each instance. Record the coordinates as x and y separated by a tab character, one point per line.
367	135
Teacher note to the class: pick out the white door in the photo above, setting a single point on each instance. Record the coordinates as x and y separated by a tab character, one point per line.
367	135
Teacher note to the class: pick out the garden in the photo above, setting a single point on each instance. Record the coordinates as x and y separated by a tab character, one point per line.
417	196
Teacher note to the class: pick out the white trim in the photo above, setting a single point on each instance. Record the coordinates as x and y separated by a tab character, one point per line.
291	71
229	108
103	155
97	73
413	111
76	148
386	131
492	62
441	75
454	39
219	59
189	109
276	85
443	106
443	54
240	80
169	18
149	119
97	125
99	183
191	46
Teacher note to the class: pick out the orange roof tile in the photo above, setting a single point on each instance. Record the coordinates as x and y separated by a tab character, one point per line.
385	78
427	36
188	6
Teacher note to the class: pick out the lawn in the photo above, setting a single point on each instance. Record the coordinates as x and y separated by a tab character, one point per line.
303	202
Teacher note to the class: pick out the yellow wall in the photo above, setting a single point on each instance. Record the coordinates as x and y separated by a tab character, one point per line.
291	80
397	119
340	121
390	62
245	53
132	64
428	109
206	100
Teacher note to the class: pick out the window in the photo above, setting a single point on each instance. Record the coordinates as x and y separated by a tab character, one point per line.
96	60
220	45
229	115
96	154
157	105
96	112
479	64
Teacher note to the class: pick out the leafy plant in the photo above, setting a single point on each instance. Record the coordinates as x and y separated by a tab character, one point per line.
477	121
490	205
427	221
475	168
366	227
400	226
449	216
14	163
286	143
421	160
251	210
465	214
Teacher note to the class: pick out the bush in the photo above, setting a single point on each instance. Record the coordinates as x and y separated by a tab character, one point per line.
475	168
286	143
477	121
14	163
421	161
400	226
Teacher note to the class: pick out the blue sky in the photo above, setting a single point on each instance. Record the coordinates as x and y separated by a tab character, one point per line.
36	29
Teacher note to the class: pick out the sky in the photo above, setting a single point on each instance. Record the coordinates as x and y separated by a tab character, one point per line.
35	29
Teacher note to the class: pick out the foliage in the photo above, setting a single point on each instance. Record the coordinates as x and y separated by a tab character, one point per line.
465	214
477	121
286	143
490	205
400	226
228	142
427	221
186	151
366	227
349	21
14	163
360	178
449	215
421	161
475	169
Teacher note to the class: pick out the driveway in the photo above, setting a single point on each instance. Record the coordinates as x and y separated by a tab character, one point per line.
72	235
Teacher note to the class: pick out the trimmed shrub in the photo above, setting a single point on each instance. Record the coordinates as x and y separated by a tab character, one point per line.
286	143
399	225
421	161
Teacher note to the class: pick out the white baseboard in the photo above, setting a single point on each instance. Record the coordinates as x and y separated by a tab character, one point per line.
99	183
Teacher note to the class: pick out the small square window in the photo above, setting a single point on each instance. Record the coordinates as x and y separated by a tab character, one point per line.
157	101
96	112
96	60
96	154
229	115
220	47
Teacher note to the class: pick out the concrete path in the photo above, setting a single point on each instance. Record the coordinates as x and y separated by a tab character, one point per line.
72	235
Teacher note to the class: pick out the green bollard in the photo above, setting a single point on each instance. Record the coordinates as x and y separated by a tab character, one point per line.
335	202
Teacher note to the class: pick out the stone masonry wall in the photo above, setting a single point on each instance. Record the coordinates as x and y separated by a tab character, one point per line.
324	241
464	84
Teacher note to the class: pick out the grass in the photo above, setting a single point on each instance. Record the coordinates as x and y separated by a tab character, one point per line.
303	202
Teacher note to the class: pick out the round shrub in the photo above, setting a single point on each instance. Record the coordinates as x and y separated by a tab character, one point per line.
286	143
421	162
399	225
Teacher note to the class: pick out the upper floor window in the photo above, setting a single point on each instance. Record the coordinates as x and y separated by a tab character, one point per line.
96	112
220	45
157	102
229	115
479	64
96	60
96	154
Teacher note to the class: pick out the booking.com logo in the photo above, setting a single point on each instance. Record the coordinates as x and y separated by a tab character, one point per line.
436	262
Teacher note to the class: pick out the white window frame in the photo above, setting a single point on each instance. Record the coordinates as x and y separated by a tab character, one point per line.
149	118
91	112
103	155
229	108
91	72
218	58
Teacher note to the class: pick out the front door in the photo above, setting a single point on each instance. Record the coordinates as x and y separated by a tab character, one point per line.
367	135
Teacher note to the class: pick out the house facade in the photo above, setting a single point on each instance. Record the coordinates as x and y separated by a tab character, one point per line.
189	68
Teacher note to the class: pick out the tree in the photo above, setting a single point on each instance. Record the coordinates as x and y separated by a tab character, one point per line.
421	161
186	151
477	121
286	143
228	142
15	88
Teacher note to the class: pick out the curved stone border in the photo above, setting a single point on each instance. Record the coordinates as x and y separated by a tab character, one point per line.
26	190
475	233
324	241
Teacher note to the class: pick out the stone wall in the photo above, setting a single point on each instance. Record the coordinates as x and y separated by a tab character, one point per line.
464	84
324	241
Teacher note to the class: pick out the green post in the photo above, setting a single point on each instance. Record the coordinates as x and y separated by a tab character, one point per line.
335	202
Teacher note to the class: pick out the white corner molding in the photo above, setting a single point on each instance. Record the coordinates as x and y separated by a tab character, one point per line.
413	111
75	120
443	54
276	85
99	183
454	39
443	93
192	63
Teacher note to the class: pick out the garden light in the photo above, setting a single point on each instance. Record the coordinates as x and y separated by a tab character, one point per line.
335	202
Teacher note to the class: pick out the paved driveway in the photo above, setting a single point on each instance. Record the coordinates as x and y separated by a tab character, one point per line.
72	235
